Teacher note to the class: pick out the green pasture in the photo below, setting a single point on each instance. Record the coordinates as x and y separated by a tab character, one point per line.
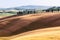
6	14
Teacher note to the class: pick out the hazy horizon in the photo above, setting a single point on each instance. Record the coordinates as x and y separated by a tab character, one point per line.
15	3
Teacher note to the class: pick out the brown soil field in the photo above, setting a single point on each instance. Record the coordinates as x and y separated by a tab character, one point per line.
17	26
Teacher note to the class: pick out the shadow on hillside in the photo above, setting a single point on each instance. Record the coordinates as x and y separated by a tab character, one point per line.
37	25
41	23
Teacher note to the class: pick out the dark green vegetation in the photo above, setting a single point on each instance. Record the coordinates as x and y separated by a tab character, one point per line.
52	9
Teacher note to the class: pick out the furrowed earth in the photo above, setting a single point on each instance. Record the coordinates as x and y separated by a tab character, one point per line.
41	26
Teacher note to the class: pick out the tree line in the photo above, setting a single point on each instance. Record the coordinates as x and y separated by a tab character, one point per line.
52	9
26	12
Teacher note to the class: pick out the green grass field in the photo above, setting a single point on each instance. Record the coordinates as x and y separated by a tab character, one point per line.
6	14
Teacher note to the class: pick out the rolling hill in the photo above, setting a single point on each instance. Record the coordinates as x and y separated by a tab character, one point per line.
26	7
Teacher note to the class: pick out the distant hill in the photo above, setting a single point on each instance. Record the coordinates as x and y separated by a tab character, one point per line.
33	7
26	7
54	8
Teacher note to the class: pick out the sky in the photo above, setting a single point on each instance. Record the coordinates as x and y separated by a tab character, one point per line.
16	3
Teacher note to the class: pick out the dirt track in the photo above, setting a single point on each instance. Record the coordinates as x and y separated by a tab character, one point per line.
14	25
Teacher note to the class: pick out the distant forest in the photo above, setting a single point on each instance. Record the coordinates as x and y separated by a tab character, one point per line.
52	9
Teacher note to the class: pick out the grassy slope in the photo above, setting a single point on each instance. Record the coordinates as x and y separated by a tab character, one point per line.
6	14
